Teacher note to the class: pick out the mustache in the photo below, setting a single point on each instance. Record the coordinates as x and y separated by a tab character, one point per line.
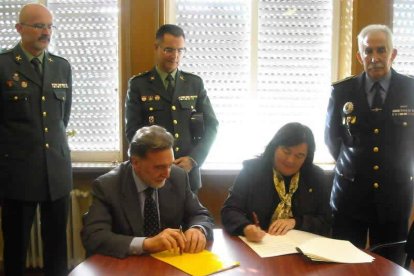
44	37
376	65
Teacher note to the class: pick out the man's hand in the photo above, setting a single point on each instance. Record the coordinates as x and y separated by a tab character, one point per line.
281	226
253	233
196	240
169	239
184	162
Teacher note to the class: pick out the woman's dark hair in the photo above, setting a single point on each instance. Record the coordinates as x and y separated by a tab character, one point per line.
291	134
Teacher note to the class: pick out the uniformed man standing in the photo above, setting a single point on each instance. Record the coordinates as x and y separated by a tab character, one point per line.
370	134
176	100
35	165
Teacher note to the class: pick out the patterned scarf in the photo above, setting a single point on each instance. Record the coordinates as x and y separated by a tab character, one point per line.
284	208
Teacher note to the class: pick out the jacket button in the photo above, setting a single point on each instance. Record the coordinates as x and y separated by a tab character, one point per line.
15	98
175	122
43	98
176	135
376	168
173	107
177	149
376	130
375	149
44	113
376	185
46	129
405	124
151	109
47	145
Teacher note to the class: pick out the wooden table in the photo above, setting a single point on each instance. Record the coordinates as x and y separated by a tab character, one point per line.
250	264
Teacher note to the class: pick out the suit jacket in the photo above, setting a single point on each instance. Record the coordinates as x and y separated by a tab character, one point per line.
114	217
374	151
148	103
35	159
254	191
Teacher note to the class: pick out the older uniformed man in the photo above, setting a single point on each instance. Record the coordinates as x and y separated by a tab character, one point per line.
35	165
370	133
175	100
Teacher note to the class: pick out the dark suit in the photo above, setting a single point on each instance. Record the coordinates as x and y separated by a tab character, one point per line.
254	191
148	103
374	153
35	164
114	217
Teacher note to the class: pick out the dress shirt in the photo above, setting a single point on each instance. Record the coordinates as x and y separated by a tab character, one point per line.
385	84
163	75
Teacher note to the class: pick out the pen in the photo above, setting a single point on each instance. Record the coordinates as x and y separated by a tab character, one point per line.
255	219
181	231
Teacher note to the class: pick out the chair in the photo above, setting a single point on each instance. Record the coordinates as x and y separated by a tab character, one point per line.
409	247
393	251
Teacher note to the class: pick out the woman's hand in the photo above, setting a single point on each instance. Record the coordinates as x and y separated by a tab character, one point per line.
253	233
281	226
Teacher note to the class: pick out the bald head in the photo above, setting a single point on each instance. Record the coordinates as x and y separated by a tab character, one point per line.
32	12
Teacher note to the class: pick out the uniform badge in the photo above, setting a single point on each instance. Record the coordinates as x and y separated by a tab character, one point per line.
157	97
50	59
144	98
24	84
348	108
181	77
152	78
151	120
18	58
150	98
9	83
16	77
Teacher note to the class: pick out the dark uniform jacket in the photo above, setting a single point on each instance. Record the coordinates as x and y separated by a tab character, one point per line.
254	191
147	103
35	160
114	217
374	150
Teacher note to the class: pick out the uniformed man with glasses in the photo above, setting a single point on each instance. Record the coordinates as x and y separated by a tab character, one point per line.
176	100
35	165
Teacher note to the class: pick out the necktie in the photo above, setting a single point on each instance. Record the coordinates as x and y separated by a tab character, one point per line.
37	65
170	86
377	101
151	224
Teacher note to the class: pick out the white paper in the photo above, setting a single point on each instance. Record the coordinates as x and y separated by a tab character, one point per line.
314	246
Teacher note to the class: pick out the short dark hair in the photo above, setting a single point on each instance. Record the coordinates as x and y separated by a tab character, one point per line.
150	138
289	135
169	29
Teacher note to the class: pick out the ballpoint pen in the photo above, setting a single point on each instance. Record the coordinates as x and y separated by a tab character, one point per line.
255	219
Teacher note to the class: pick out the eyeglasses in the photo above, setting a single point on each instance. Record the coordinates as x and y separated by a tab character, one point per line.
40	26
171	51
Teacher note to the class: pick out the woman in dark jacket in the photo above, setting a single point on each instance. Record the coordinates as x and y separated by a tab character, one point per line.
280	190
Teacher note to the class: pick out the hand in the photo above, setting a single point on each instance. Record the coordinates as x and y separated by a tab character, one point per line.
196	240
281	226
253	233
169	239
184	162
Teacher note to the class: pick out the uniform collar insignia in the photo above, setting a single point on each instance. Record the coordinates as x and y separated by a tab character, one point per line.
18	58
50	59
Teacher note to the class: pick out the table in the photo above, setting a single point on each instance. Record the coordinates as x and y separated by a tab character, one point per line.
250	264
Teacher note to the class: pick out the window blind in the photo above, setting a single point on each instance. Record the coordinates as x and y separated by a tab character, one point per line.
264	63
403	29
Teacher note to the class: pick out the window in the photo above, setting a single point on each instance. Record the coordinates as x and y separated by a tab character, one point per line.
86	35
403	29
264	63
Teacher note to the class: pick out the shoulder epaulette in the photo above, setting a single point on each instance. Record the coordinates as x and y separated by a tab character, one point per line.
56	56
343	80
5	51
142	74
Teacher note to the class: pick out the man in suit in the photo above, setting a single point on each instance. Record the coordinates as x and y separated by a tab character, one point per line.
170	98
120	223
370	134
35	164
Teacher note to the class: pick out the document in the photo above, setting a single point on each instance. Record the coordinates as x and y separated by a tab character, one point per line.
315	247
203	263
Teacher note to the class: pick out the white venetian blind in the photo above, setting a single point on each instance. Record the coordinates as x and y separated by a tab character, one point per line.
86	35
403	29
264	63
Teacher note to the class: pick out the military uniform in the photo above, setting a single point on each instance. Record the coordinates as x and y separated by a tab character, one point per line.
374	153
35	164
148	103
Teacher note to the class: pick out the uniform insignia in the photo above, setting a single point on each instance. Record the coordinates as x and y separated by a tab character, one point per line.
151	120
24	84
18	58
348	108
9	83
50	59
152	78
157	97
150	98
16	77
181	77
144	98
59	85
